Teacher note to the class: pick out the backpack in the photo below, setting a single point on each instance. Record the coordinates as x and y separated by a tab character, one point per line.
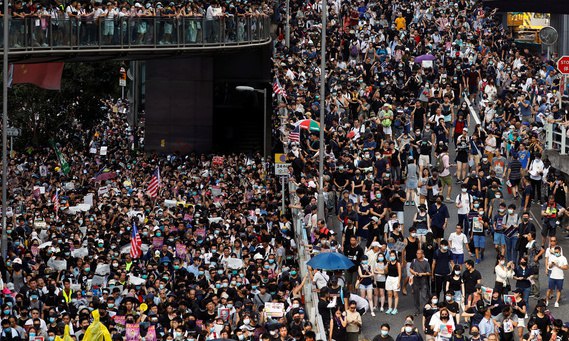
354	51
439	164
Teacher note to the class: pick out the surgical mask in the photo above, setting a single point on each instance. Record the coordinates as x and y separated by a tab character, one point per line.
434	301
392	258
158	234
448	298
408	329
457	272
510	211
476	205
380	259
464	190
384	332
498	196
246	321
271	261
110	305
273	332
502	262
267	266
501	210
445	247
364	262
535	332
51	319
32	335
557	254
413	235
50	338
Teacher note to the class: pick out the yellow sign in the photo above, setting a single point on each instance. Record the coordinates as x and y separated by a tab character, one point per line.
280	158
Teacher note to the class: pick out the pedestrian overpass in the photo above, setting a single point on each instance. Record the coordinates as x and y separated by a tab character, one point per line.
43	39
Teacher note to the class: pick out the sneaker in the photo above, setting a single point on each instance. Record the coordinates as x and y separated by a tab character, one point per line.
448	200
394	311
381	309
546	303
406	203
372	313
556	305
389	311
413	204
477	261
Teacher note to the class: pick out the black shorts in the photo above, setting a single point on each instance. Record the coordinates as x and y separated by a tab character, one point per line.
462	156
438	232
515	182
379	285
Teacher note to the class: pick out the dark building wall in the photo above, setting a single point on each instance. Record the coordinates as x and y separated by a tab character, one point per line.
192	105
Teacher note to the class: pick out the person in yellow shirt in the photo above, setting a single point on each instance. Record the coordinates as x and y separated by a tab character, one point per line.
400	22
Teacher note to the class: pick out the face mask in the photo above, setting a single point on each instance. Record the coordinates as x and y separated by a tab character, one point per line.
457	272
7	312
384	332
464	190
392	258
158	234
476	205
293	273
501	210
241	337
161	286
364	262
246	322
50	338
535	332
498	196
220	272
445	247
510	211
434	301
51	319
273	332
557	254
271	261
408	329
380	259
110	305
475	334
32	335
267	266
525	220
413	235
200	273
448	298
502	262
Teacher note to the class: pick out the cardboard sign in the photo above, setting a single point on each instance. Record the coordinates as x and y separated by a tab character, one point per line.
217	161
120	323
103	190
132	332
274	309
487	294
103	150
151	334
157	242
181	251
223	313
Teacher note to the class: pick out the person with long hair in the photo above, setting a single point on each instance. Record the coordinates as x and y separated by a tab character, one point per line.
380	271
365	275
393	283
338	325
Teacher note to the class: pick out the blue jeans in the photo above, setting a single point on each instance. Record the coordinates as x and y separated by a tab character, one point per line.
526	294
511	251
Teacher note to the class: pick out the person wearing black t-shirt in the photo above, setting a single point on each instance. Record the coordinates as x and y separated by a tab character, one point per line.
471	278
354	252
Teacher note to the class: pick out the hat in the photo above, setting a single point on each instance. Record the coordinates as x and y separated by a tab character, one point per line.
375	244
464	129
376	219
17	261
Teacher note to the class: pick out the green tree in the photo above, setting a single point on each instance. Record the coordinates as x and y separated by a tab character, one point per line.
41	113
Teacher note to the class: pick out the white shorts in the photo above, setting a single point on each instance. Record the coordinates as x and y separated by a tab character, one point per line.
424	160
392	283
521	322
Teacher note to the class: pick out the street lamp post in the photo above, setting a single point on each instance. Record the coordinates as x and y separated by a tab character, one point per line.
245	88
4	128
287	27
321	152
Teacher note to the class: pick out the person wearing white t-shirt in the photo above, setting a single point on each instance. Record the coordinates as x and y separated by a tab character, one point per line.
457	240
557	263
463	204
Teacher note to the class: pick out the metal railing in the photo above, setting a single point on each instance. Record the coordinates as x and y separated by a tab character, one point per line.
45	33
556	138
310	296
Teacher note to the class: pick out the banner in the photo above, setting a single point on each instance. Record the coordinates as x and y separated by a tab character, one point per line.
44	75
151	334
65	168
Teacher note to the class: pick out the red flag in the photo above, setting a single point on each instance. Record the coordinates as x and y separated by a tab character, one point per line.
44	75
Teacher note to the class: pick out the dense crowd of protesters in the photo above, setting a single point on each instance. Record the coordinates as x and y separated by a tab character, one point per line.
399	134
219	260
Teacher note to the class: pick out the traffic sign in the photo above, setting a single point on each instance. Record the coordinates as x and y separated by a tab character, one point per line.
563	65
281	168
12	132
122	78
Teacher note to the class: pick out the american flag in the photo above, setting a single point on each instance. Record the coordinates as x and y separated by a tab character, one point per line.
278	89
135	242
294	136
154	184
55	201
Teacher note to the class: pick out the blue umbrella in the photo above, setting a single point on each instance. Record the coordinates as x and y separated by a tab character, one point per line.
330	261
